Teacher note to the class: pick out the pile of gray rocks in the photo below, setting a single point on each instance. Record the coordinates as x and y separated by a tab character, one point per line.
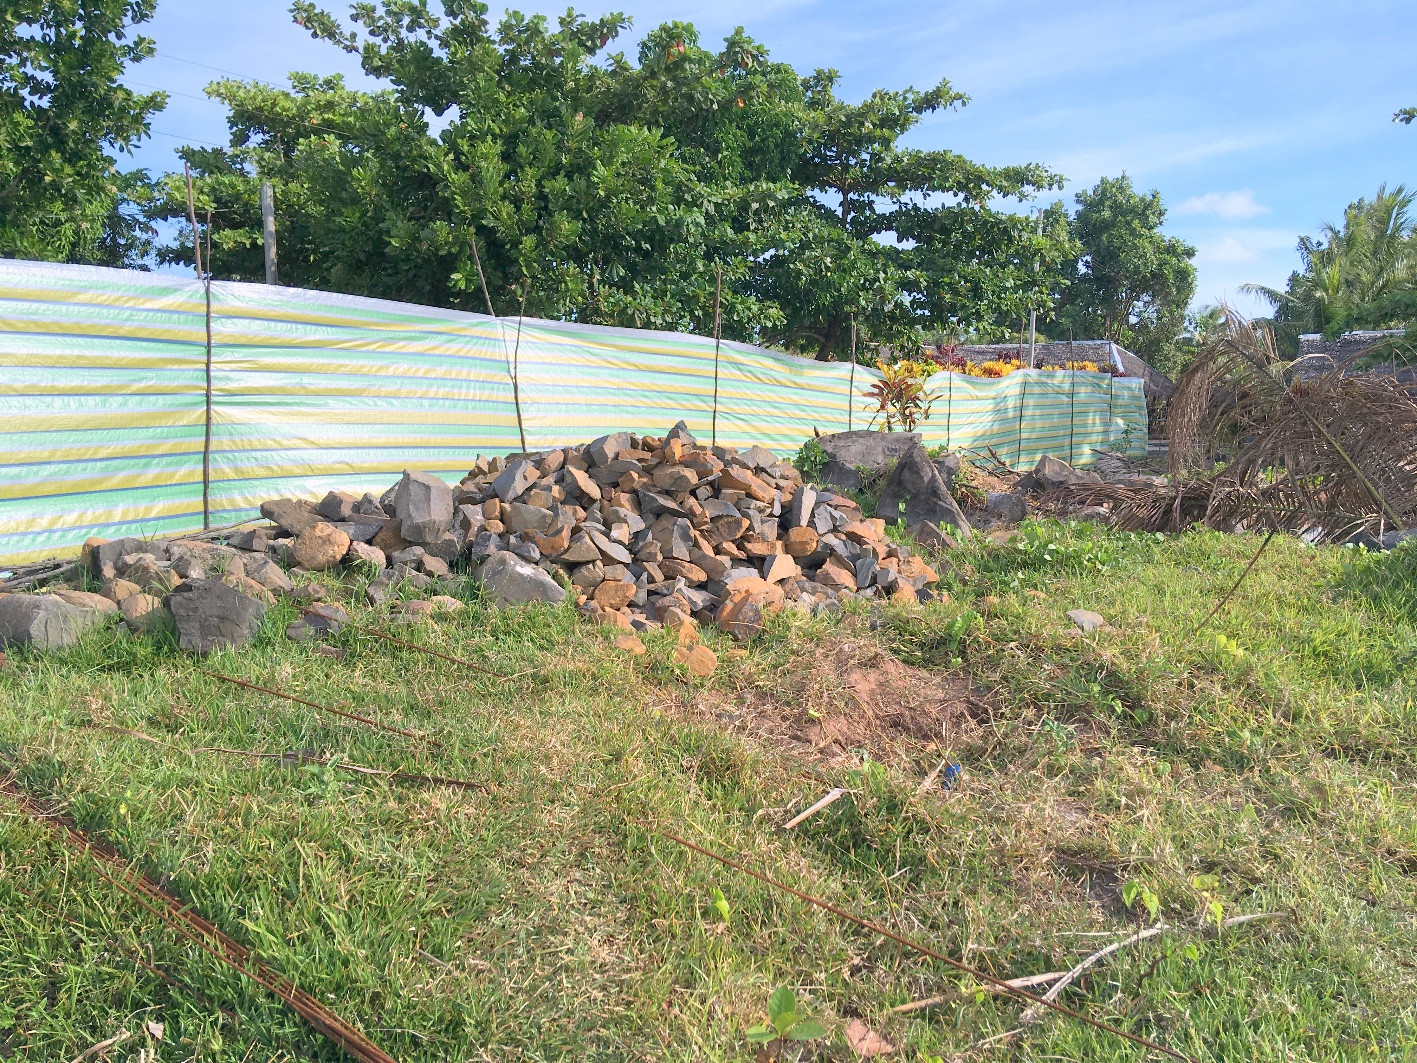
641	532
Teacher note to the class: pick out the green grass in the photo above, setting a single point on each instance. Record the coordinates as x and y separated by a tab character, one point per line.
542	917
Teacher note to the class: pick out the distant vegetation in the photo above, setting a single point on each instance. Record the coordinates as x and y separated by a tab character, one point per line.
587	185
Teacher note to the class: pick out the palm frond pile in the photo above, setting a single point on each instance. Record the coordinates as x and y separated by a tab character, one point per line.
1251	449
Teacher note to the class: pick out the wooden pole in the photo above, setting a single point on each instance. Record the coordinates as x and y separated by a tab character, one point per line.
268	222
851	379
192	217
516	366
207	437
477	261
717	344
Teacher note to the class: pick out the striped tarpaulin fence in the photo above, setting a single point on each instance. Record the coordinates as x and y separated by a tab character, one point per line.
103	411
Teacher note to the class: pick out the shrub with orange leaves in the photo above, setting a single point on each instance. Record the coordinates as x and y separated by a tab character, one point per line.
1081	367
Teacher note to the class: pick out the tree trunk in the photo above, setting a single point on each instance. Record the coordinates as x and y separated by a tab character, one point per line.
833	329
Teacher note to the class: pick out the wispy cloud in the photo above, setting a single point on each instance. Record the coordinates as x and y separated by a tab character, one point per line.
1231	205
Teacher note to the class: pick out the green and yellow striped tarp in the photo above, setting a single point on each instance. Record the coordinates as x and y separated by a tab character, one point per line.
103	385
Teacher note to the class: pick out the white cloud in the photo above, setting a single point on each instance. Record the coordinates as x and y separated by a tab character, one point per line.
1227	251
1240	204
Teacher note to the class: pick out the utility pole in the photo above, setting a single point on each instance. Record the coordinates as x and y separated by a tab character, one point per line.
268	218
1032	312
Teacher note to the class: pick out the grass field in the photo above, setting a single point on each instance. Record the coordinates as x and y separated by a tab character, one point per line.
1109	781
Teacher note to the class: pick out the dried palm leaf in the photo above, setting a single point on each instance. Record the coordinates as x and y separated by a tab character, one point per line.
1251	448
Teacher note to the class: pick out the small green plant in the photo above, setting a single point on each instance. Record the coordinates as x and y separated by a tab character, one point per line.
811	459
1206	885
1138	891
1227	647
720	904
785	1023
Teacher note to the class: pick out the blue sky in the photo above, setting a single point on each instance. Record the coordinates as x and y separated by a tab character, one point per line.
1257	121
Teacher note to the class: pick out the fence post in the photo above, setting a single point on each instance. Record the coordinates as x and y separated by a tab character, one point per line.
1072	411
851	377
1022	400
717	344
516	368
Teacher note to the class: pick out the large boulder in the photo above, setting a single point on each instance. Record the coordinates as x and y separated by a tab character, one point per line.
508	580
42	621
848	451
424	506
918	484
210	615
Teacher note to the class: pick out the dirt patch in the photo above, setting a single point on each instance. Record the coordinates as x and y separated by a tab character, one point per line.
851	695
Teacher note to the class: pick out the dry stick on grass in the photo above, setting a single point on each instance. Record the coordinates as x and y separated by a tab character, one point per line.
324	708
178	917
103	1046
924	950
817	807
1028	981
1033	1014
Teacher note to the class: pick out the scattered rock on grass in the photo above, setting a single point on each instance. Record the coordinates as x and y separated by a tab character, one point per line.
42	621
1086	619
210	615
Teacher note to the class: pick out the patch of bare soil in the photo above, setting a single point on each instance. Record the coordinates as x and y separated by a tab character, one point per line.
847	695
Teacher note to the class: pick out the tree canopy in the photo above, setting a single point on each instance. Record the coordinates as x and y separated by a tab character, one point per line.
62	111
601	189
1133	283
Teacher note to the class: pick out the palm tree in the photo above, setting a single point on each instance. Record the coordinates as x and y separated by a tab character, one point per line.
1350	272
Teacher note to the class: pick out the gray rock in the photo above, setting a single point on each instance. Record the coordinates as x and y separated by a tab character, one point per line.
365	553
932	536
872	450
610	550
1086	619
508	580
425	506
1391	539
210	615
612	470
800	510
369	506
484	544
42	621
337	506
292	514
319	620
361	531
653	503
1007	505
916	482
256	540
681	432
110	553
407	556
1051	473
268	574
604	450
757	458
519	517
512	482
527	552
948	465
448	548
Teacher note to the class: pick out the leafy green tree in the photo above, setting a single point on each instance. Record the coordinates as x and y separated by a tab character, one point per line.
605	190
62	111
1361	274
1406	116
1133	283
